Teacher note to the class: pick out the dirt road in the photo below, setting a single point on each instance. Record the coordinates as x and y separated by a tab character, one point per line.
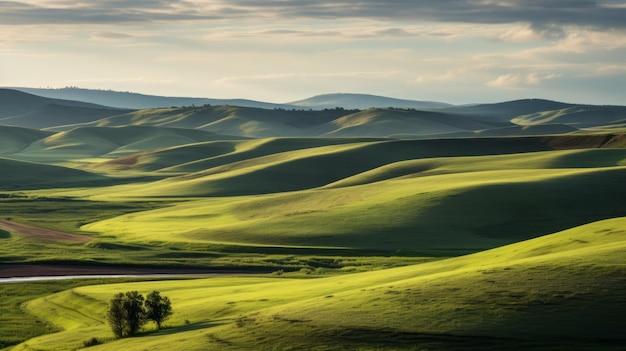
42	234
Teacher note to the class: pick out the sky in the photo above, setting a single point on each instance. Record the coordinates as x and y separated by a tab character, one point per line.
455	51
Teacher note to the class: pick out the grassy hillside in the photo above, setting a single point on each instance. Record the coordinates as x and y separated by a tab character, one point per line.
387	122
17	175
89	142
14	139
279	165
561	290
54	115
441	204
505	111
262	123
231	120
177	151
542	129
15	103
25	110
201	156
579	116
259	166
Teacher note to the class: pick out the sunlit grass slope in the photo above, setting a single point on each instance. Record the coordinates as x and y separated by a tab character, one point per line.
27	175
201	156
541	129
241	173
387	122
87	142
584	158
442	204
581	116
563	290
231	120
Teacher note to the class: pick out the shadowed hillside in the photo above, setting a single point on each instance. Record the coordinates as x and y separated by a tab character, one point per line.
505	111
241	121
19	175
261	123
14	139
88	142
387	122
131	100
433	120
439	205
579	116
278	165
201	156
26	110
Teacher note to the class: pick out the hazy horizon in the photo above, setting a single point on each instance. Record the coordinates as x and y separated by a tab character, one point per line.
457	52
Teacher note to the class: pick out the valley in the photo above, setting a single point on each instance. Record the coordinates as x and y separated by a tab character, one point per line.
422	225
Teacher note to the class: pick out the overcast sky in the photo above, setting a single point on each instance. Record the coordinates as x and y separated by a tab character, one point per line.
456	51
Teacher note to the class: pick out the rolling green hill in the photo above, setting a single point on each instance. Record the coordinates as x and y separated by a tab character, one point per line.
287	164
89	142
542	129
25	110
436	119
436	205
388	122
505	111
15	139
579	116
559	291
18	175
232	120
329	192
261	167
260	123
201	156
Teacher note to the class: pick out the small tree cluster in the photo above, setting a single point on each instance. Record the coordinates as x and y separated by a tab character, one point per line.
129	311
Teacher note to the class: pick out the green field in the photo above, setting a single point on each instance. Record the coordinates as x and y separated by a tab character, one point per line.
358	230
561	290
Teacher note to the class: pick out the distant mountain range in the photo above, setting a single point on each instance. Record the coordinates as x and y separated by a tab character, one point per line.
364	101
433	120
140	101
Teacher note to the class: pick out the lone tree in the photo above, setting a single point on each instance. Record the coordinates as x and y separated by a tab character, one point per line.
158	308
128	312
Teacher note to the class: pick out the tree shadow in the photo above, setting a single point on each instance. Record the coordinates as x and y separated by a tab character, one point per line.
177	329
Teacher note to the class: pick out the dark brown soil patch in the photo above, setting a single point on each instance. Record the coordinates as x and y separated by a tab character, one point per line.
41	234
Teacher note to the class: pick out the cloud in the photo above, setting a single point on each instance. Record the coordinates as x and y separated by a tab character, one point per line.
520	80
292	76
110	35
544	16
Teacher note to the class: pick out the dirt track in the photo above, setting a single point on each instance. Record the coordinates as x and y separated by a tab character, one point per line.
41	234
48	235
